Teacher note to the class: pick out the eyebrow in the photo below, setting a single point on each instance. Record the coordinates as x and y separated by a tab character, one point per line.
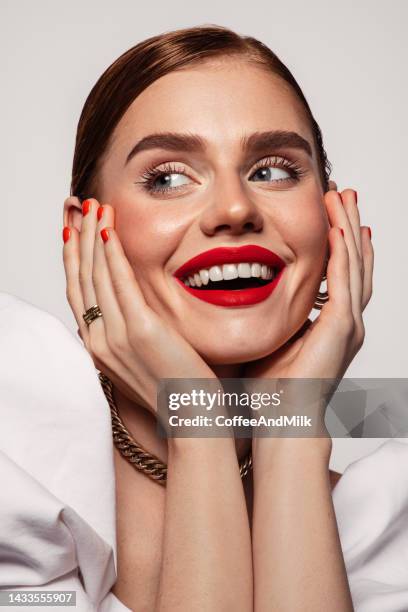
255	143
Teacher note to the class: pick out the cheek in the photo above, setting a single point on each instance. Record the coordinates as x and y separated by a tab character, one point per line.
304	227
149	235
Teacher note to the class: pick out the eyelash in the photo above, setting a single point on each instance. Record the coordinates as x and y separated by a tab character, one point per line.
151	174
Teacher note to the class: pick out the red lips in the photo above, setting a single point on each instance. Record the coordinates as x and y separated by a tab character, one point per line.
221	255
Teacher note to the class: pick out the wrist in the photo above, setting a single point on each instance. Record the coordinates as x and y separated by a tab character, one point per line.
188	447
268	452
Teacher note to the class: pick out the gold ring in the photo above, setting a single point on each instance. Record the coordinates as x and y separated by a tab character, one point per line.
91	314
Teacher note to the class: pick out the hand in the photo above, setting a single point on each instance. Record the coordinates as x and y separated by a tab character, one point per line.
130	343
325	347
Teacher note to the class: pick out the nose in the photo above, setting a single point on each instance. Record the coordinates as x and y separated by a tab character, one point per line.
231	211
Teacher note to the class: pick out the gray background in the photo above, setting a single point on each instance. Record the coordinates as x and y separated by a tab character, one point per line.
350	58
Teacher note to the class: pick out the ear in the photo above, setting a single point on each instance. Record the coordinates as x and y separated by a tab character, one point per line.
72	213
332	186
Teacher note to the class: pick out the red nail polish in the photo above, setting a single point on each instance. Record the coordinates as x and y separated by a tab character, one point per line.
86	205
369	232
66	234
342	231
339	194
356	196
99	213
105	234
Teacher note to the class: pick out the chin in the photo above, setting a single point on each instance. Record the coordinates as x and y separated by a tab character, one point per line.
228	351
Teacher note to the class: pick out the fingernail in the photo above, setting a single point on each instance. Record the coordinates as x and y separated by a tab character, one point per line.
342	231
356	195
105	234
86	205
99	213
369	232
66	234
339	194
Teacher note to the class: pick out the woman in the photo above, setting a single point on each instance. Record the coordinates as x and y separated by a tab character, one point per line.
198	150
200	142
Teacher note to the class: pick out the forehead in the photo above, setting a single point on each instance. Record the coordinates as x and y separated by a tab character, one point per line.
219	100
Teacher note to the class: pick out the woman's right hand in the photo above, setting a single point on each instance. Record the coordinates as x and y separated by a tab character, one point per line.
130	343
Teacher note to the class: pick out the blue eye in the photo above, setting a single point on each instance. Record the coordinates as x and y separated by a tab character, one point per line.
167	178
271	174
276	169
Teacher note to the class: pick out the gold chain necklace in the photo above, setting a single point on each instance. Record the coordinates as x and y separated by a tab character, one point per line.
135	454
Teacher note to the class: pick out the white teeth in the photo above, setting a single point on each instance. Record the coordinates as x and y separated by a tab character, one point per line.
205	276
229	271
215	273
256	270
244	270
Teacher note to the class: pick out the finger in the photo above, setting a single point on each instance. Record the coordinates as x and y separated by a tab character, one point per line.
114	323
338	276
86	248
126	288
349	199
72	213
73	288
368	259
339	217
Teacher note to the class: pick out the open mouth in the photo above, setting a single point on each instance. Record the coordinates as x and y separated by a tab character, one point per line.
232	276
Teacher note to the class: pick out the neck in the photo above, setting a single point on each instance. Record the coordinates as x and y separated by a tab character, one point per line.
142	424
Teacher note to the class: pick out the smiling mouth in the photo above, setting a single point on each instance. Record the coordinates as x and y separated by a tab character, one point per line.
232	276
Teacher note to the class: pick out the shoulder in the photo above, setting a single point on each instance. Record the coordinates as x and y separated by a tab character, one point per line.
36	348
373	491
371	504
22	323
55	451
50	390
381	473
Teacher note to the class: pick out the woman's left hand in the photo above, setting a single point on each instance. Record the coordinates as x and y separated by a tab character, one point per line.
325	347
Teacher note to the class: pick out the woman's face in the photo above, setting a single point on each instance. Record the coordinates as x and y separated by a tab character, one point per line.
226	187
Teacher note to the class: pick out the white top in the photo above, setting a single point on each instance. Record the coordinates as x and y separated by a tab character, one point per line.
57	494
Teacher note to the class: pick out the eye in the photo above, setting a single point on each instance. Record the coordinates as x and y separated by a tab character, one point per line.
164	179
169	180
275	170
271	174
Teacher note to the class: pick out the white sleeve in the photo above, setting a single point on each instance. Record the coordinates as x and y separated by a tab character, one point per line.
371	504
46	546
37	549
57	512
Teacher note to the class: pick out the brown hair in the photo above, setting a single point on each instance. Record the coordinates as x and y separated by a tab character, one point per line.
146	62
